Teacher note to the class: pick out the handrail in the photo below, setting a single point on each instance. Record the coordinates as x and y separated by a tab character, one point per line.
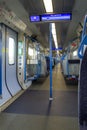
84	27
83	39
80	49
63	57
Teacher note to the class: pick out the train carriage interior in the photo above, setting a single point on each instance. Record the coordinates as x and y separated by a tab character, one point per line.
43	65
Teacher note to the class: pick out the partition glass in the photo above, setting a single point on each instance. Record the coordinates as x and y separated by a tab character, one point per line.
31	59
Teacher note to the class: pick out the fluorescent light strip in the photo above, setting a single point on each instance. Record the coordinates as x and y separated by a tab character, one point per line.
48	5
54	34
49	8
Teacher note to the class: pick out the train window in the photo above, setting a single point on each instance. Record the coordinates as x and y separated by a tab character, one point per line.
75	53
30	52
11	51
35	54
38	52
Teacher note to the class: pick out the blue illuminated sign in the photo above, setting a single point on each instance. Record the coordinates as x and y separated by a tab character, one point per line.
55	17
51	17
35	18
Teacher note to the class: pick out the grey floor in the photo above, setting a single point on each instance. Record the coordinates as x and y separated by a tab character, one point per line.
35	117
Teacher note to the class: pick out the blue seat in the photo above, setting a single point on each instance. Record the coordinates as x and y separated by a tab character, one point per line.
83	91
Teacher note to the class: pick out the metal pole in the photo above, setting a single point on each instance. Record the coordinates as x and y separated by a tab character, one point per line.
50	46
0	64
24	58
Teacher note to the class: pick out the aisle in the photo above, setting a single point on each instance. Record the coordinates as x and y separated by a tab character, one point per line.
58	82
34	111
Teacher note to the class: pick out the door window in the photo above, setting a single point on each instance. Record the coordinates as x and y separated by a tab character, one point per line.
11	51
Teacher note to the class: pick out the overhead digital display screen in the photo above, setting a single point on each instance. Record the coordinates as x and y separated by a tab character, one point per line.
51	17
55	17
35	18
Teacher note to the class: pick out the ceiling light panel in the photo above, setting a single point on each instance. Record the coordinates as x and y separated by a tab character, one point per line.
49	8
54	34
48	5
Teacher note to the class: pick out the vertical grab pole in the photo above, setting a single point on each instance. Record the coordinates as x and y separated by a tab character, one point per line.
0	64
24	59
50	46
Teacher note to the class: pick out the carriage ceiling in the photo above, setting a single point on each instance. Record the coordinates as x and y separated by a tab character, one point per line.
66	31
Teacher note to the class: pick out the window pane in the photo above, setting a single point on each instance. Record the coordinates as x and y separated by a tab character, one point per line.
75	53
11	51
30	52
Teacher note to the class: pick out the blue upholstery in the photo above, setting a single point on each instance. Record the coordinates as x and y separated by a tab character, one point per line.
83	91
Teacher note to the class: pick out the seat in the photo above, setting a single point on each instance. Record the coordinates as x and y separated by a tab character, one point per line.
83	91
